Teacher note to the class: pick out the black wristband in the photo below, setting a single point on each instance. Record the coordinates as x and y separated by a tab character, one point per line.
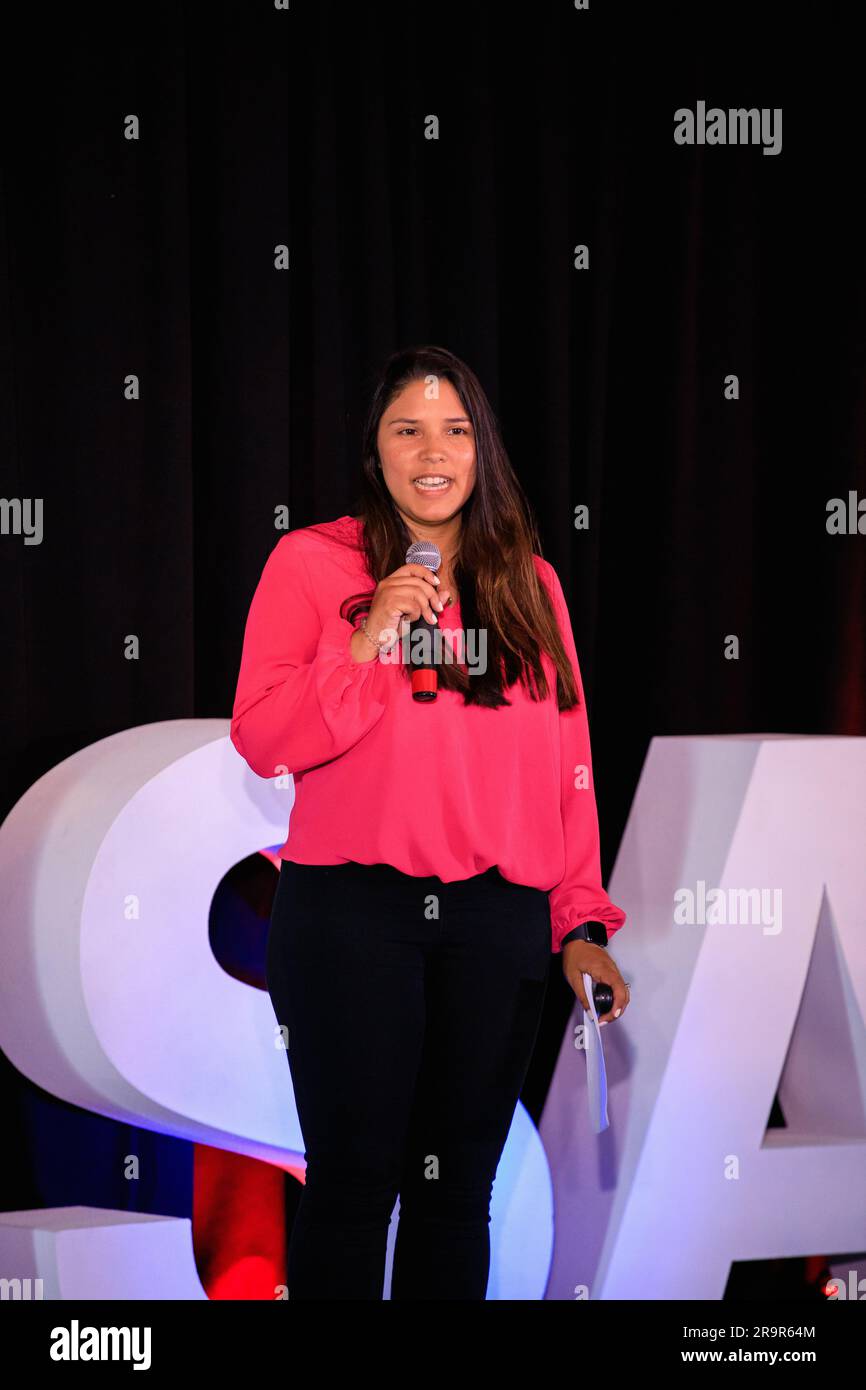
595	932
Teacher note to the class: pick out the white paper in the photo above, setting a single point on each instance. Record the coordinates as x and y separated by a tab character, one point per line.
596	1077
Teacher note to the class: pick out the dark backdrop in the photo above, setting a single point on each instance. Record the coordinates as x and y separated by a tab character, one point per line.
262	127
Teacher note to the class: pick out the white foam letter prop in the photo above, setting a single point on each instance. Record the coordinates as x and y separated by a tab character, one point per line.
753	995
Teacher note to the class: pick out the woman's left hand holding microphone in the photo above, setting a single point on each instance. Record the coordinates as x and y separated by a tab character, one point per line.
583	957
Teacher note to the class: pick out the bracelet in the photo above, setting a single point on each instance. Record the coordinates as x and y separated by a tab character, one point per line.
378	645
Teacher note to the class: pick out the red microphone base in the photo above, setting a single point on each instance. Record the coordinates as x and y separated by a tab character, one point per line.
425	683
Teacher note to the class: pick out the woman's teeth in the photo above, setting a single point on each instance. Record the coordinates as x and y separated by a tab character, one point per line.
432	484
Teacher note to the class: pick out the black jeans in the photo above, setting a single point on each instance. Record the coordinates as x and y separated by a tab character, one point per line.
412	1008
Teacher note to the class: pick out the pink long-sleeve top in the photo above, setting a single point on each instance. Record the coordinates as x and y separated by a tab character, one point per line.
510	787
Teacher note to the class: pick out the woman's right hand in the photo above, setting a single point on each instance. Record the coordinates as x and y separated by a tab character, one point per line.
412	591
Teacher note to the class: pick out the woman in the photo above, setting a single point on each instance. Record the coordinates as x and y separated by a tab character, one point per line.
438	852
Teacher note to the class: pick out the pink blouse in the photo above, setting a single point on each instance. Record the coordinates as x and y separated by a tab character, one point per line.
510	787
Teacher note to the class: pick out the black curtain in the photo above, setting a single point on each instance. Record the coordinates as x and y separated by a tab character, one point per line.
304	127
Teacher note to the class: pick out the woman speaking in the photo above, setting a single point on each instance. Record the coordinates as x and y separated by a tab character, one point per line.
439	850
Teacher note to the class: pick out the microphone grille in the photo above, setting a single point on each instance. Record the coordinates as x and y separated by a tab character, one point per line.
424	553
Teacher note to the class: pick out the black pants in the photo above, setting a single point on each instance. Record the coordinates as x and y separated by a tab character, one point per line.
412	1008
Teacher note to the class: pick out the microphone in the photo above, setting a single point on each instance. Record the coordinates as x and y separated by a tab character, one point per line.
425	678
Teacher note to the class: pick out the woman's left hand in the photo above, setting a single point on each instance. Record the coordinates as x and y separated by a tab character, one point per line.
583	957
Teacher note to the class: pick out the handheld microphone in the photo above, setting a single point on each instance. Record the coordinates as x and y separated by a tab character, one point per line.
425	678
602	997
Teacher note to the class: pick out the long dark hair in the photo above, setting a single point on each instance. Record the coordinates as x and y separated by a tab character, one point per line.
499	586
